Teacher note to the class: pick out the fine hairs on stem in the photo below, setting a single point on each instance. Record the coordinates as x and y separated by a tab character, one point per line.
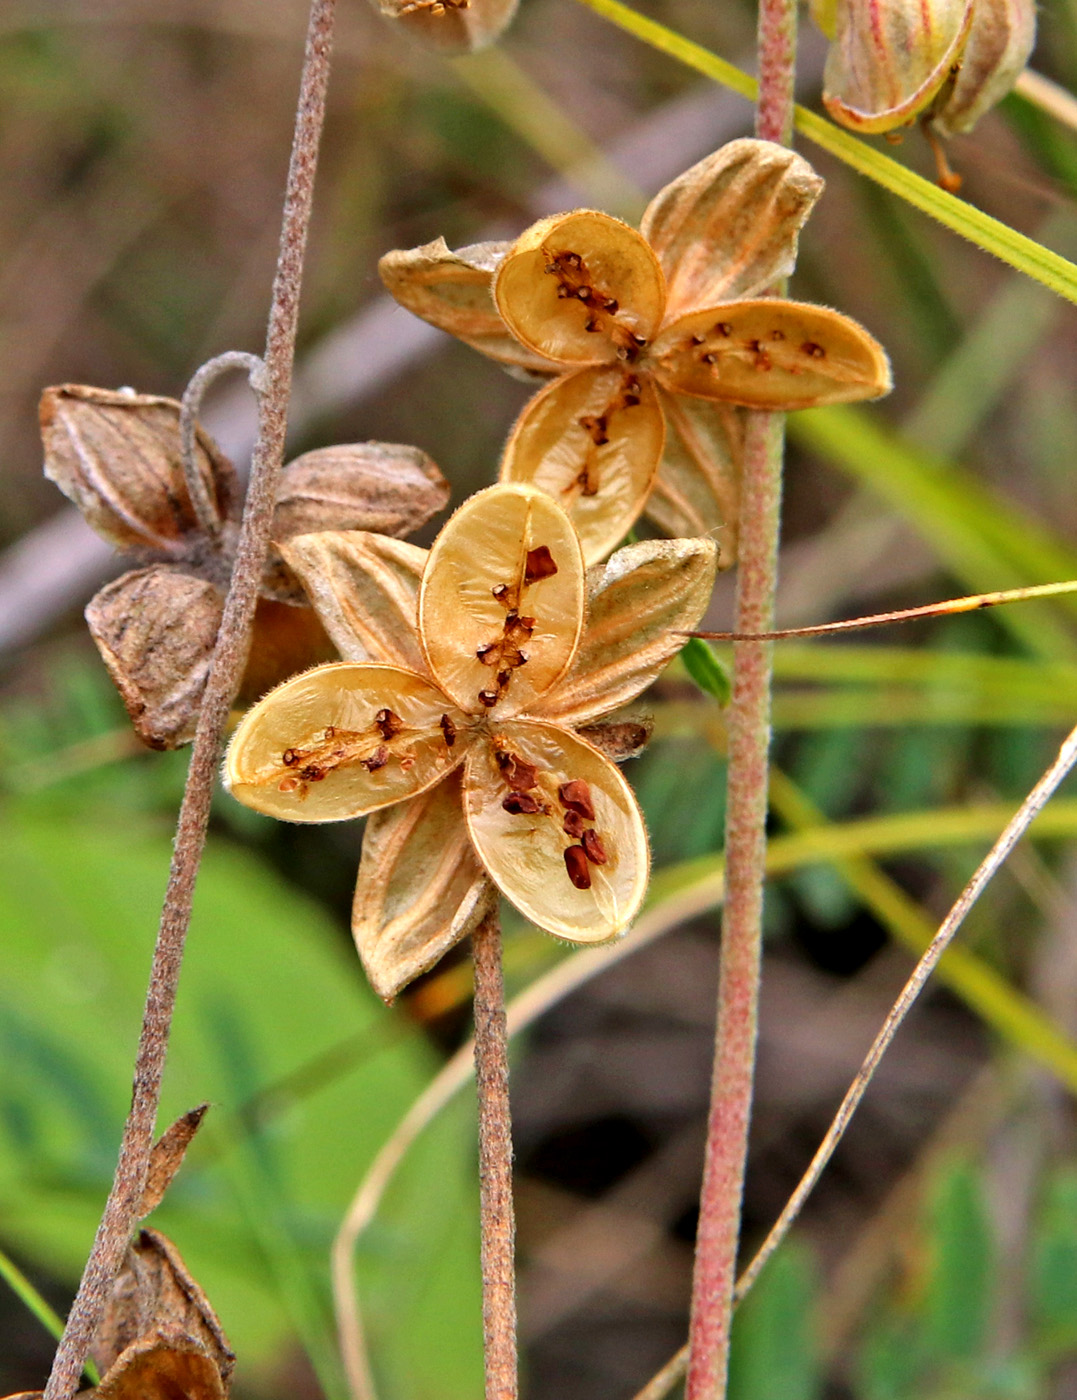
746	811
495	1163
229	659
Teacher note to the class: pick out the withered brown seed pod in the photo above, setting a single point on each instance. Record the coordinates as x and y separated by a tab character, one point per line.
117	456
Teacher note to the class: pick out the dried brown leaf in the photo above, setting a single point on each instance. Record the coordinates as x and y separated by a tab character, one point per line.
167	1157
420	889
155	629
117	456
365	589
727	228
453	291
637	604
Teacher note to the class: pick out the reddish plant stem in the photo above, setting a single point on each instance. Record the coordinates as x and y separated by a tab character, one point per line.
746	813
495	1164
122	1209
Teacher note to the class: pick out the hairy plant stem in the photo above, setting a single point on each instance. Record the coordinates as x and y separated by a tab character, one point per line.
495	1163
229	659
746	813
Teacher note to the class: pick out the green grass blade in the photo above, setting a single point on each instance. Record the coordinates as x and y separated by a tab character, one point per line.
1003	242
28	1295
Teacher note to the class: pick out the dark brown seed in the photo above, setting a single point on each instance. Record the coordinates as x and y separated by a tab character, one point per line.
593	848
520	775
312	773
290	757
576	865
448	729
521	804
488	698
723	328
573	825
575	796
500	592
539	564
815	351
611	304
378	759
388	724
488	654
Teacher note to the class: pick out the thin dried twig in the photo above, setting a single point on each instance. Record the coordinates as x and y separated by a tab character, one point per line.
229	660
661	1384
746	813
498	1240
973	603
204	506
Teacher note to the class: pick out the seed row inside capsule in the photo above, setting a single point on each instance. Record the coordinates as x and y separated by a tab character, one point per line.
575	282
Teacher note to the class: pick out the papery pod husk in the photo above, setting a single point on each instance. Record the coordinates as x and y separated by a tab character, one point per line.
365	589
999	45
728	227
451	26
379	486
697	489
155	1303
889	61
116	455
420	889
639	605
619	738
163	1366
156	629
285	640
453	291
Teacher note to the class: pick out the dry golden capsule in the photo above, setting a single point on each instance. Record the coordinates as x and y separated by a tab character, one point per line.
454	722
651	340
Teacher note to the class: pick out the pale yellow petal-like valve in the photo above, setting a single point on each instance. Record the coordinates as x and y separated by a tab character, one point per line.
420	888
582	289
343	740
891	58
771	354
593	441
558	828
501	604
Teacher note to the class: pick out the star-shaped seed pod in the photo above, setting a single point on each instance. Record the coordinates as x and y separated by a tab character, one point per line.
118	457
944	61
457	722
654	337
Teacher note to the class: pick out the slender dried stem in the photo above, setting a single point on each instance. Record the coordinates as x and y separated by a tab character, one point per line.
746	812
495	1163
230	656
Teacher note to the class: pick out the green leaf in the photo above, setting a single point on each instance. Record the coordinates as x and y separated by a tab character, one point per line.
773	1353
271	994
960	1289
1053	1271
706	670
